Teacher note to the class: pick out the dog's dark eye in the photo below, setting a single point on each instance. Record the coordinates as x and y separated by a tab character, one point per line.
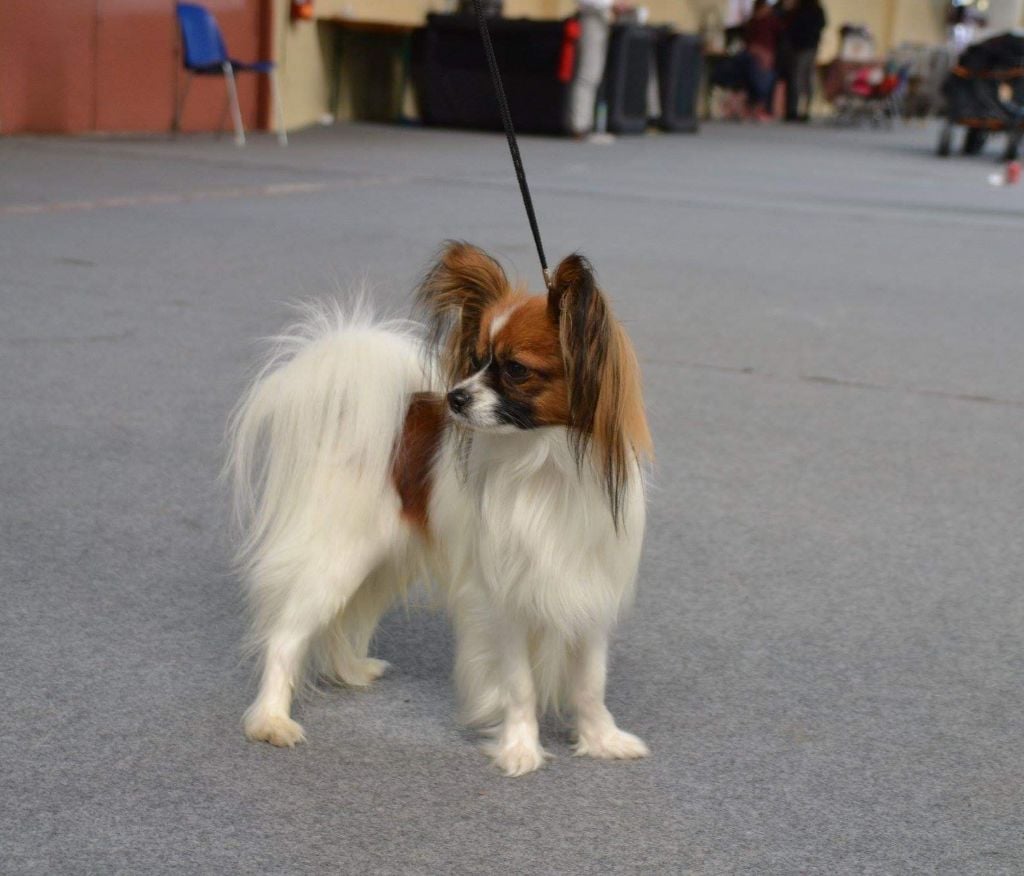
515	371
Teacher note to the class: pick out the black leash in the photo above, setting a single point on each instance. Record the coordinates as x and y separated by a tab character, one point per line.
510	135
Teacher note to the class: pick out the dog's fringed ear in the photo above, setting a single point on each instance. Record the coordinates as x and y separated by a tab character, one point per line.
606	409
461	285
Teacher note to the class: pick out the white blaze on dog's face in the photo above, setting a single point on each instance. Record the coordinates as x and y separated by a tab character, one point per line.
516	377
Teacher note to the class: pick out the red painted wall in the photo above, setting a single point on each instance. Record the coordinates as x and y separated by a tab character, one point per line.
112	65
46	57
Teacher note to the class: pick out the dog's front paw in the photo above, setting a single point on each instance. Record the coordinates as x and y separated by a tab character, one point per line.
517	756
279	730
610	743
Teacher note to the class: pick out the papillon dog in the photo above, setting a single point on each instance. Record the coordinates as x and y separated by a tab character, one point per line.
500	454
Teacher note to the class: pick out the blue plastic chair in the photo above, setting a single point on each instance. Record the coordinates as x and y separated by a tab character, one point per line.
204	54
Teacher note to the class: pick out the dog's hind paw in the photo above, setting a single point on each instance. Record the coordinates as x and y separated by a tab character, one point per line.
279	730
363	672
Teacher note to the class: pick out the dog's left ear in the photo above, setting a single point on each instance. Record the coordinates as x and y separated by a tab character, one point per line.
606	407
584	329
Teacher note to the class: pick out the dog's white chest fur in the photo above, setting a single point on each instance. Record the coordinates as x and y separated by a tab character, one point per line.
544	544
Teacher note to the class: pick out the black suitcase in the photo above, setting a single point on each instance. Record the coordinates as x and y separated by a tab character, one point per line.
625	77
453	83
680	64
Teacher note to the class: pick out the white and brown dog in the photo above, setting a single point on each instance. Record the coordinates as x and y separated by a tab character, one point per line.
519	492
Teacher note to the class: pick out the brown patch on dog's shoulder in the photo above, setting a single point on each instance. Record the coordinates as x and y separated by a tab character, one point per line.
412	468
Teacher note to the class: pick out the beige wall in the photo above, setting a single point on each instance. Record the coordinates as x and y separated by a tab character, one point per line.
305	49
682	13
891	21
1003	14
918	21
873	13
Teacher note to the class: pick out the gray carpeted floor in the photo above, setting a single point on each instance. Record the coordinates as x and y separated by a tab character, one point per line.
826	655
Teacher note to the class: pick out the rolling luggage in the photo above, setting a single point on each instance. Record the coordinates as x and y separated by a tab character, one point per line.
680	61
453	84
626	73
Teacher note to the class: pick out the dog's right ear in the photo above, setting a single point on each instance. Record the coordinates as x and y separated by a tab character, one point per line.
455	293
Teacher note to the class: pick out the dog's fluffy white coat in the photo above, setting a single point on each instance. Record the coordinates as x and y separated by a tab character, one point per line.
521	540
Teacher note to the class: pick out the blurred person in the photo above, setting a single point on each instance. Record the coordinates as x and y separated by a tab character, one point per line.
784	47
595	25
805	21
761	34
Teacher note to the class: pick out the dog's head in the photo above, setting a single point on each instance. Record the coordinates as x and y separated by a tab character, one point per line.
515	361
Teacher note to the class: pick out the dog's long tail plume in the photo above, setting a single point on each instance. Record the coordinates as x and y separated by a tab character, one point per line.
330	401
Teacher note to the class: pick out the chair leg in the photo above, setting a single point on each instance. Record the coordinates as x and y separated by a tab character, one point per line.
223	115
236	112
179	106
275	95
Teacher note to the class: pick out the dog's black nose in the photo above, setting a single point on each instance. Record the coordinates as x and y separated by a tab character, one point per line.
458	399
